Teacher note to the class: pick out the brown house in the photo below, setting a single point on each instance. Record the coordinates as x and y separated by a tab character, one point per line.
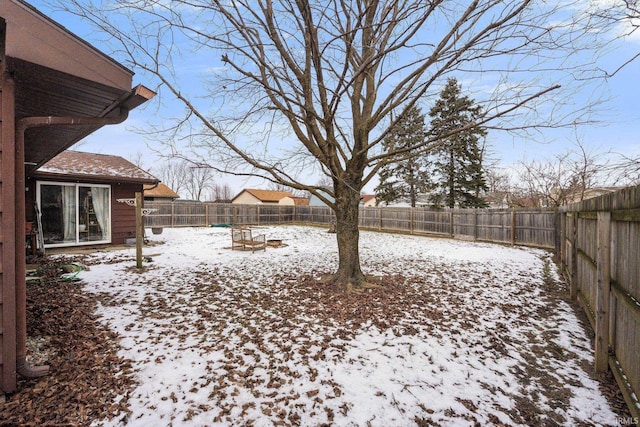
294	201
77	194
55	89
260	197
159	193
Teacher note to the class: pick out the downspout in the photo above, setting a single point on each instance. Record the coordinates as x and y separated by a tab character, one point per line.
22	367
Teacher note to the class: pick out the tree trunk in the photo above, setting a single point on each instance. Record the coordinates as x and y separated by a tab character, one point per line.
349	275
451	200
412	194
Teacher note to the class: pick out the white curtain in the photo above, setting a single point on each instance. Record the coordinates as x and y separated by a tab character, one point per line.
69	213
100	200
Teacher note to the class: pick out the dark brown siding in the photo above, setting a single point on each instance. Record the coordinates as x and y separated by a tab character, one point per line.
123	216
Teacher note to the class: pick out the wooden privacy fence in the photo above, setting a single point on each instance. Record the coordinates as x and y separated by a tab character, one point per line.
524	227
599	256
597	243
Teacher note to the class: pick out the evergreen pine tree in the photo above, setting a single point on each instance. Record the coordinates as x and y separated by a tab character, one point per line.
408	174
458	161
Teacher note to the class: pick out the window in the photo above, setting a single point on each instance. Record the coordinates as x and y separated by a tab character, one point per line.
74	214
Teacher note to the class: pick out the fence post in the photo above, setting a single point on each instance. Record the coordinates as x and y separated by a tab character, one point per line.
451	222
558	234
562	254
475	224
206	214
173	214
603	292
513	226
379	219
411	211
573	267
139	229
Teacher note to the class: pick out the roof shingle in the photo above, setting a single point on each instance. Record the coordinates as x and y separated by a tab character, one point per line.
268	195
91	165
161	190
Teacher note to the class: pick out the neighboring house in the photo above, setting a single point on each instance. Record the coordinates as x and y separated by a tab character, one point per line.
498	199
55	89
368	200
260	197
294	201
159	193
422	200
590	193
77	196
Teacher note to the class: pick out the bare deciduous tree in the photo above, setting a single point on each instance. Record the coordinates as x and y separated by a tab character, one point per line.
137	159
173	174
187	178
221	193
545	183
499	187
309	86
624	15
199	180
560	180
625	169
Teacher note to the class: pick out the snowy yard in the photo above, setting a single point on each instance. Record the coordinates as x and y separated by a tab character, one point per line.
462	333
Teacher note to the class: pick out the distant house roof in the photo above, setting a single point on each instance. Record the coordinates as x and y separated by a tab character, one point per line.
294	201
79	165
590	193
265	196
301	201
161	191
368	199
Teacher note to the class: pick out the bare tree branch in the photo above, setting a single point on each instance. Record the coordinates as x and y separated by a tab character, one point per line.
293	89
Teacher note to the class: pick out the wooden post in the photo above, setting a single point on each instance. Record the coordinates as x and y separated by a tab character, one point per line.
139	229
562	254
411	225
8	226
475	224
573	266
451	222
558	235
603	292
513	226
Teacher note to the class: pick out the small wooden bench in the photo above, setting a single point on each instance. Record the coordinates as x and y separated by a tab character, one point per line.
243	239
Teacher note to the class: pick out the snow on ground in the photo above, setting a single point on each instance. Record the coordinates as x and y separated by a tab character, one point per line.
464	333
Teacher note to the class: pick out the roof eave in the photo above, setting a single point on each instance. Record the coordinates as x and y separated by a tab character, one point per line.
54	46
60	176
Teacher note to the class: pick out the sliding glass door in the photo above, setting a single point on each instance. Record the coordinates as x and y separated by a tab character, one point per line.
74	214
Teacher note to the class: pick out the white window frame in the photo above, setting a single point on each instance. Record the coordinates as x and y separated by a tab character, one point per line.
77	186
